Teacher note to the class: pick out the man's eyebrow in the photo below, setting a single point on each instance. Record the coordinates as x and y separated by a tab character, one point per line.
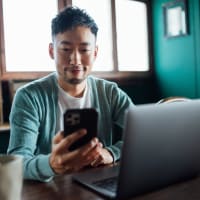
85	43
64	42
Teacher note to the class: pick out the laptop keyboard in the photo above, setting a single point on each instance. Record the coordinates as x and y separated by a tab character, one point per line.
108	184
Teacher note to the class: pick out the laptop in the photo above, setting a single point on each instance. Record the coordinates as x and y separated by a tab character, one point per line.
161	147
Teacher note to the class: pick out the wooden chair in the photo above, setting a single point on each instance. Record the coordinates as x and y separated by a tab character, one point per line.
173	99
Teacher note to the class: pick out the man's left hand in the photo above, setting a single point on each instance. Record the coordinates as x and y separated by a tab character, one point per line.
105	157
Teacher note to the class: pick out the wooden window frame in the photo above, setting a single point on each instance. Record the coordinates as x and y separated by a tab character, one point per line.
115	75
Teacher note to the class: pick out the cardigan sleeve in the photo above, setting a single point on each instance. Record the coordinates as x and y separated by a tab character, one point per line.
25	120
111	103
119	103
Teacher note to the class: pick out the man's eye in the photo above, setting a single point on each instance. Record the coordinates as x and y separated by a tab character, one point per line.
65	49
85	50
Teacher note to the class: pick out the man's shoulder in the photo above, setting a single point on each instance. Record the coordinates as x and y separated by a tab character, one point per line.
48	79
100	81
44	83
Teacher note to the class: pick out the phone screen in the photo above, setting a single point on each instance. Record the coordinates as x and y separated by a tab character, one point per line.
75	119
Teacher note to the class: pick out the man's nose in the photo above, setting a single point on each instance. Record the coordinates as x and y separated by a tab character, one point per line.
75	58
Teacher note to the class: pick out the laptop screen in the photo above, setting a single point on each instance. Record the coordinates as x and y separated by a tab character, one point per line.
160	147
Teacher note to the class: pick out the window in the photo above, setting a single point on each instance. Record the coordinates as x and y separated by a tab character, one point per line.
104	61
123	36
131	33
26	34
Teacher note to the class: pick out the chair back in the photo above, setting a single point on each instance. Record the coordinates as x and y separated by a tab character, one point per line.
173	99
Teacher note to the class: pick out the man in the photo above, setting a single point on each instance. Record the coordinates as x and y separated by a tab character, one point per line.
37	112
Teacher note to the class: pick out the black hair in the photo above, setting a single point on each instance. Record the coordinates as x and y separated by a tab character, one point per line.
70	18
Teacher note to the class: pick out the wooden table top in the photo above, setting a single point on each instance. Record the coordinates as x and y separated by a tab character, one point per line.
63	188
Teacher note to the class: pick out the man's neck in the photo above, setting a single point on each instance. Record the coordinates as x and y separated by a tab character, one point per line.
75	90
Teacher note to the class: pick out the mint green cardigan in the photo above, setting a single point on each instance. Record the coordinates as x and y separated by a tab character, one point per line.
33	121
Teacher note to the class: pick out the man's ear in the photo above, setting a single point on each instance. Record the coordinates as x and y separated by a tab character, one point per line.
51	51
96	51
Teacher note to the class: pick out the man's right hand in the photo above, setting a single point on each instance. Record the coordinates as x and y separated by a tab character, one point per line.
64	161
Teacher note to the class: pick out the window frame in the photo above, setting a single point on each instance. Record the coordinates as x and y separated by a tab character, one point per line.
115	75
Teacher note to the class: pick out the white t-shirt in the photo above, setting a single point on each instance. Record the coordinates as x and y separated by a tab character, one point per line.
66	101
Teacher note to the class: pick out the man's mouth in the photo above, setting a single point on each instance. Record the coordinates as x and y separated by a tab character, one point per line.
74	69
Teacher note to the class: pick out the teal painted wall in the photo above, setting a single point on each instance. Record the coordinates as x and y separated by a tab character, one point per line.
177	60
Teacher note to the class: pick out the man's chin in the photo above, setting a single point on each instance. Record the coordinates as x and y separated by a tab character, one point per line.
75	81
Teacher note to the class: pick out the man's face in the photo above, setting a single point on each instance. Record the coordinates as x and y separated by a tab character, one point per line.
74	52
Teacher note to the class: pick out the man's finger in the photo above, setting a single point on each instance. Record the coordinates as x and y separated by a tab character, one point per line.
67	141
70	139
58	137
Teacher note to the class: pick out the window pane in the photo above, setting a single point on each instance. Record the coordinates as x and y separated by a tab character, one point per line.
104	60
27	32
132	35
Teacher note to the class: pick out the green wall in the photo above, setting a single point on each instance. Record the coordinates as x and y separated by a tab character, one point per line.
176	60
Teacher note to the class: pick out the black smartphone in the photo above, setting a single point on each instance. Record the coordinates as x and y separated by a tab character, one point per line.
75	119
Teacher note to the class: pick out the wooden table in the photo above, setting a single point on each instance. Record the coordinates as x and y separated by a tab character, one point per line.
62	188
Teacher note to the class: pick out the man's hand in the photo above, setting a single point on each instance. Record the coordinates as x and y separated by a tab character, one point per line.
105	157
64	161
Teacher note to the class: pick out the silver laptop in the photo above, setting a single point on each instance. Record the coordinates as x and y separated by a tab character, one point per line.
161	147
